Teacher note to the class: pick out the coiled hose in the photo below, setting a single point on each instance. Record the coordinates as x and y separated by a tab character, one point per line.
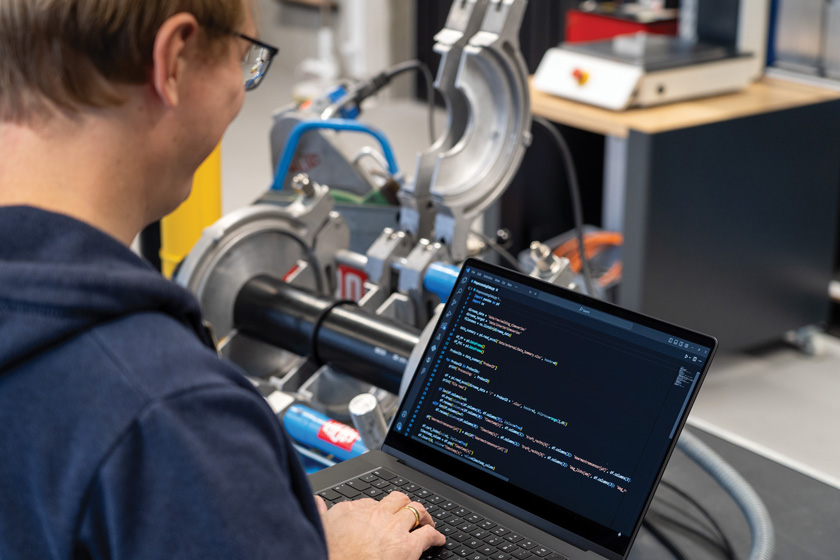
761	527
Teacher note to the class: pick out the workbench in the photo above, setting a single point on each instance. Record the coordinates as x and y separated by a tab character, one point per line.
729	205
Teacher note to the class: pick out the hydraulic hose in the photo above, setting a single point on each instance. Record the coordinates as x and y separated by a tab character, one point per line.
761	526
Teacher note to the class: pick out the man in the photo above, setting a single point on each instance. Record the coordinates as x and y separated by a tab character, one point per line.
123	435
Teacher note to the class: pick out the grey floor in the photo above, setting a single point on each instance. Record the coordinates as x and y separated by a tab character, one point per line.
780	402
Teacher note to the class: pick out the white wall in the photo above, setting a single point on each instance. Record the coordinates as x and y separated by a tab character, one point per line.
382	29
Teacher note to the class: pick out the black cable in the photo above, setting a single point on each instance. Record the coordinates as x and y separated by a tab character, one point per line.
664	540
320	323
690	531
375	84
504	253
730	551
311	258
423	68
574	190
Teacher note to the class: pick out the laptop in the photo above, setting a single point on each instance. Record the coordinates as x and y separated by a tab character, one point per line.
537	424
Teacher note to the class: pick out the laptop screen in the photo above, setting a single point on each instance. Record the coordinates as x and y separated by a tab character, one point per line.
562	405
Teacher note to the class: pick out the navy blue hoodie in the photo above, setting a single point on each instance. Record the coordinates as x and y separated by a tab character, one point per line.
122	434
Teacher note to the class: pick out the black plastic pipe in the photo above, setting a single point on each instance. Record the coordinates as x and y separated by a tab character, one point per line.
337	333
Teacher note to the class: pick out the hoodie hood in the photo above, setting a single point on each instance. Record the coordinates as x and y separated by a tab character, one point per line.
59	277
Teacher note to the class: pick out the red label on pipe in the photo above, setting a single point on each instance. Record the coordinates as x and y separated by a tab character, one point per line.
351	283
338	434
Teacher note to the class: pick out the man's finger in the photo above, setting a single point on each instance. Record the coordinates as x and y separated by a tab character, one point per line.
321	505
423	517
394	501
363	503
412	515
428	536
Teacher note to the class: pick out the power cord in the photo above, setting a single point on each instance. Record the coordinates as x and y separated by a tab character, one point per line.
664	539
502	252
725	544
574	190
311	258
423	68
374	85
655	521
761	526
689	530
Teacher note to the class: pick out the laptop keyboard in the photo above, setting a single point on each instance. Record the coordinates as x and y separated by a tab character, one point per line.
468	535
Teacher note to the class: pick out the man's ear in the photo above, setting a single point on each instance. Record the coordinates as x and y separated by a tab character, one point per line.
173	41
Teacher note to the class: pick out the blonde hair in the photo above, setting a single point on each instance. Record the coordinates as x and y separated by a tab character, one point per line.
68	53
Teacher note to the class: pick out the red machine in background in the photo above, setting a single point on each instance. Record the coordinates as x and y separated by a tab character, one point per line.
603	23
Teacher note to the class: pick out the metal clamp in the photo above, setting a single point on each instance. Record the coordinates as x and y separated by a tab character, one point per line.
484	79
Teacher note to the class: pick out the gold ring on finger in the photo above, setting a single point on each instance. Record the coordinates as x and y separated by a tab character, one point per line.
416	516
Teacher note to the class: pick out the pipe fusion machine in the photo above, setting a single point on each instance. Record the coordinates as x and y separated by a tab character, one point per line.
318	323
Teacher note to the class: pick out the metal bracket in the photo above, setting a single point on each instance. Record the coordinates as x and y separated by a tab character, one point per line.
484	80
411	278
464	21
389	247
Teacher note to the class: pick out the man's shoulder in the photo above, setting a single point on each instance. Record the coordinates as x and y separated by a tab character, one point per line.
135	416
100	381
154	354
67	410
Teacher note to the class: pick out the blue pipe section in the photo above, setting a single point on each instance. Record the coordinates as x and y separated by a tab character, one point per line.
332	124
312	429
440	279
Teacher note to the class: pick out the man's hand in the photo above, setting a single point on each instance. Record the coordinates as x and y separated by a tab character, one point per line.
378	530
